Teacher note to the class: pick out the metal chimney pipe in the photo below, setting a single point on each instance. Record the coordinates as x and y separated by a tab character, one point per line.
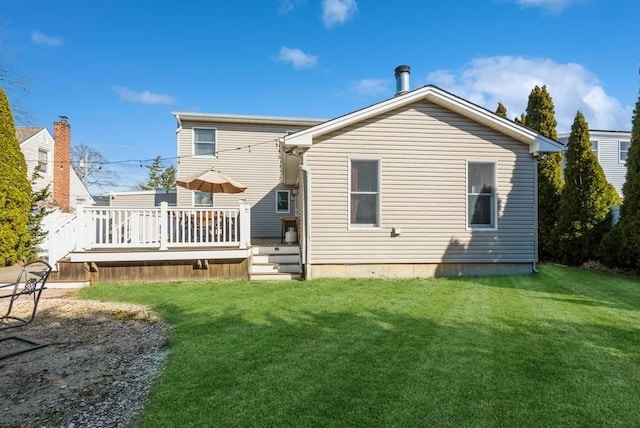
402	79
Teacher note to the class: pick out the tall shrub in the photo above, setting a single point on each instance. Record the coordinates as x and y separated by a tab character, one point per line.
40	208
15	191
540	116
586	200
501	110
621	246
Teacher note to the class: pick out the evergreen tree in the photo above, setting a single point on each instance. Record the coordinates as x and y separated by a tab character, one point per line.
40	201
161	177
15	191
540	117
621	246
586	200
501	110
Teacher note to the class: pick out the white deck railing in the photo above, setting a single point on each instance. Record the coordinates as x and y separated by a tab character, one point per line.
160	228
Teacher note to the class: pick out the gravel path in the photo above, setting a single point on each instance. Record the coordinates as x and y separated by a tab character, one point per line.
96	371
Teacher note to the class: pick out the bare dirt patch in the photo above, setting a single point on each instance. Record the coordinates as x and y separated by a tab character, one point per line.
98	366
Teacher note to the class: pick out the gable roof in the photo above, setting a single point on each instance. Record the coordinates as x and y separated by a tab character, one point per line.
23	133
536	141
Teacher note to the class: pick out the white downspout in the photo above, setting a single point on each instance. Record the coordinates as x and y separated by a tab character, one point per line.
307	221
535	214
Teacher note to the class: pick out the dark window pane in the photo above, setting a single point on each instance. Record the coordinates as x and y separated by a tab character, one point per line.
480	178
205	135
205	149
282	201
364	176
203	199
364	208
480	210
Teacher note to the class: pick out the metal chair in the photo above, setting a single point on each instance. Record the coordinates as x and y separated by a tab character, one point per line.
19	303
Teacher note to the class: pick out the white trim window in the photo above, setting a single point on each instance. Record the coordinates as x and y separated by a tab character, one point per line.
623	151
595	147
43	160
482	204
282	201
204	142
202	199
364	193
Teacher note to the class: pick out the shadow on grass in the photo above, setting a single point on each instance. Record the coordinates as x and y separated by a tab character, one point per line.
570	285
296	367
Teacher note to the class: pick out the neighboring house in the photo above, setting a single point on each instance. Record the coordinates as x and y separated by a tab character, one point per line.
611	148
422	184
245	148
52	157
40	150
142	198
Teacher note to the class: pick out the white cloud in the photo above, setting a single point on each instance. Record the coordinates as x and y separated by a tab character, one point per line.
144	97
287	6
336	12
507	79
42	39
554	6
297	57
371	87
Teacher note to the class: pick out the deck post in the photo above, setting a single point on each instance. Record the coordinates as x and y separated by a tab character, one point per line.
164	225
82	231
245	224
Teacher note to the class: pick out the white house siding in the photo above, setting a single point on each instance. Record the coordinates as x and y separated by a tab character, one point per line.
42	140
78	194
258	168
423	150
608	155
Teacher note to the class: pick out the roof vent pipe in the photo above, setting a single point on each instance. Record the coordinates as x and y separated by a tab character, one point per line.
402	79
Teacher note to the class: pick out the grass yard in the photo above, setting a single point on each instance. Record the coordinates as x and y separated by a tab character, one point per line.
557	349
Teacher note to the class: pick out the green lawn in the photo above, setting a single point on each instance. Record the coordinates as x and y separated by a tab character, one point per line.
556	349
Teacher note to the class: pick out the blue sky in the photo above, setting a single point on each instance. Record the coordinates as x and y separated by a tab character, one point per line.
119	68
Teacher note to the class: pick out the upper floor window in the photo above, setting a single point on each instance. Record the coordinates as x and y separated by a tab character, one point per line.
623	150
282	201
204	141
43	160
481	195
594	147
364	193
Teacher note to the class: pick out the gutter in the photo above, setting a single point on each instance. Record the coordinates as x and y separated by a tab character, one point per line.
307	221
179	123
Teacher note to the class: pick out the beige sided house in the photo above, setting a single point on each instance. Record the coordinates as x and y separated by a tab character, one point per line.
423	184
142	198
245	148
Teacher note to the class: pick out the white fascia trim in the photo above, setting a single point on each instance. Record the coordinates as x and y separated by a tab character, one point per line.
233	118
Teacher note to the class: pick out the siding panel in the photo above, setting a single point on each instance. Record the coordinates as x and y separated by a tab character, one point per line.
423	150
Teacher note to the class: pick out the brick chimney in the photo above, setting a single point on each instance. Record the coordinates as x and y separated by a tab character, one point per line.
62	163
